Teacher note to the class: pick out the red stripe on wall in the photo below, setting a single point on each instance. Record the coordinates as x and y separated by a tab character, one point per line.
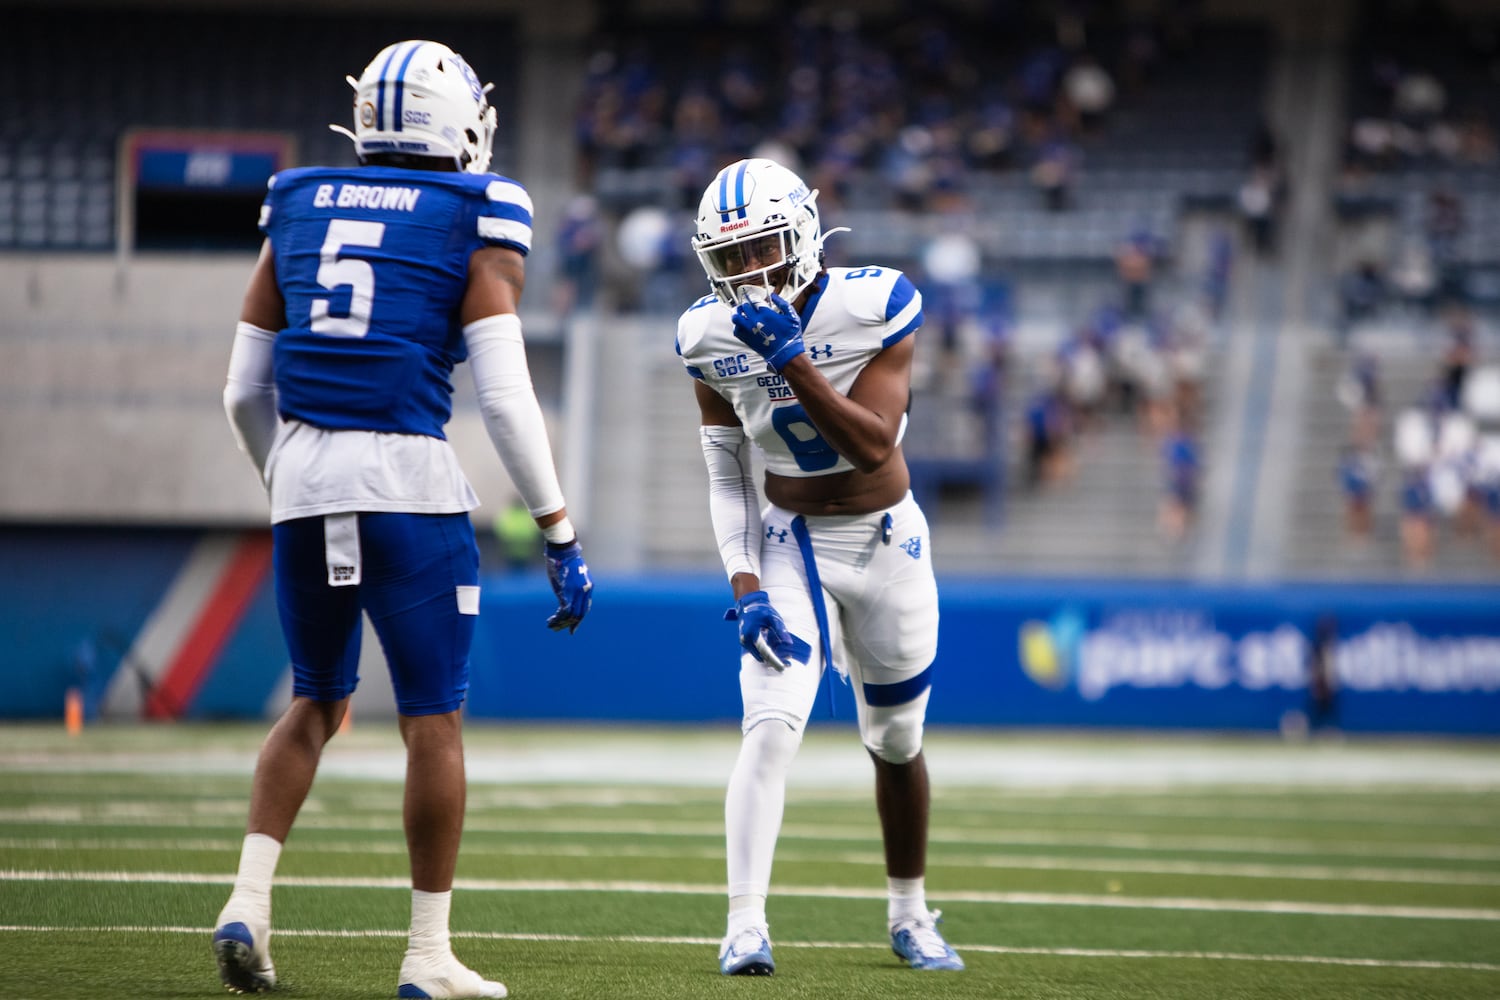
221	614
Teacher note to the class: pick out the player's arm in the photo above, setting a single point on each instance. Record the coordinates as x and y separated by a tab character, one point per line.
865	425
513	418
250	387
734	509
502	379
732	502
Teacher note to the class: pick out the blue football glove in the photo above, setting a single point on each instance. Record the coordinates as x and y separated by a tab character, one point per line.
569	576
771	329
762	632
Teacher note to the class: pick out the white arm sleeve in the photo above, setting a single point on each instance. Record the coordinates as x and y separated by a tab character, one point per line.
250	393
732	503
512	415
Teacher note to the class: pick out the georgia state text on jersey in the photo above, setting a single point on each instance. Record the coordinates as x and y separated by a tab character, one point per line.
852	315
373	263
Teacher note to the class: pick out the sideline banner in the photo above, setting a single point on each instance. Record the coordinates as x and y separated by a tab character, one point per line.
183	623
1369	657
1357	657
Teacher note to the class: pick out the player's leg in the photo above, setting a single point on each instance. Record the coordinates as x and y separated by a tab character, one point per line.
421	590
776	705
321	627
754	803
890	614
433	808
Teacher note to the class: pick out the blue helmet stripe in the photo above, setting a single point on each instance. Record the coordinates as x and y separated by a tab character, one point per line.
739	188
737	204
724	195
380	90
401	87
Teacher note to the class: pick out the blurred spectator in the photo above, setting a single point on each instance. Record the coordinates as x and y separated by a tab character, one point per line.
1038	84
1451	477
1258	197
1219	270
1415	448
579	242
1416	519
1359	391
1457	356
1180	480
1053	172
1135	266
1089	91
1188	361
1413	276
1419	97
651	246
1444	226
908	168
1372	143
1477	144
1084	377
1361	293
1359	476
991	141
1048	433
1487	488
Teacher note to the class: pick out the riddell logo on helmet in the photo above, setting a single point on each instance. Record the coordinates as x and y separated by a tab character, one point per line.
731	227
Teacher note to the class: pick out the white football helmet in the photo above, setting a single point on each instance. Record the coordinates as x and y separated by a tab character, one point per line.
758	229
420	98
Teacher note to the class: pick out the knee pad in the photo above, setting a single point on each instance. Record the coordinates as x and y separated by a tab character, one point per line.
894	733
773	744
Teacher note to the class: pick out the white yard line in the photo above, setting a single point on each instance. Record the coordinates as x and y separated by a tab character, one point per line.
143	814
834	759
1007	862
820	892
703	942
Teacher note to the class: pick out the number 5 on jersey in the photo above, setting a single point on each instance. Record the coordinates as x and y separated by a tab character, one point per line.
335	272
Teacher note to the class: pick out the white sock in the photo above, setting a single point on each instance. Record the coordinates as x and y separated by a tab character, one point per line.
908	898
429	922
746	912
252	883
753	806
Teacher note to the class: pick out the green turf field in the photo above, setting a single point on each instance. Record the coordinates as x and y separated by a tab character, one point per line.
1065	866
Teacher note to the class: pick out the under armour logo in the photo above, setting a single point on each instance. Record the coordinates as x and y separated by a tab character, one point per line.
765	338
777	533
820	351
913	546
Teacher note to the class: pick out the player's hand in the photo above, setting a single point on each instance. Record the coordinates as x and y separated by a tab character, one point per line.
569	576
762	632
771	328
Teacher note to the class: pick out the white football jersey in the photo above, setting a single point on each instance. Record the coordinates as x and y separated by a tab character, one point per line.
853	314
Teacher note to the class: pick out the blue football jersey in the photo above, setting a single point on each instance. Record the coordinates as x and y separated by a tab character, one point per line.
373	263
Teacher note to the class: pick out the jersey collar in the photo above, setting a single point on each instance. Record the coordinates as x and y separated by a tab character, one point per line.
819	286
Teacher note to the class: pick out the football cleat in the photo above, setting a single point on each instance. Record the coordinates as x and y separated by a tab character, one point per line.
747	953
243	950
916	940
423	977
